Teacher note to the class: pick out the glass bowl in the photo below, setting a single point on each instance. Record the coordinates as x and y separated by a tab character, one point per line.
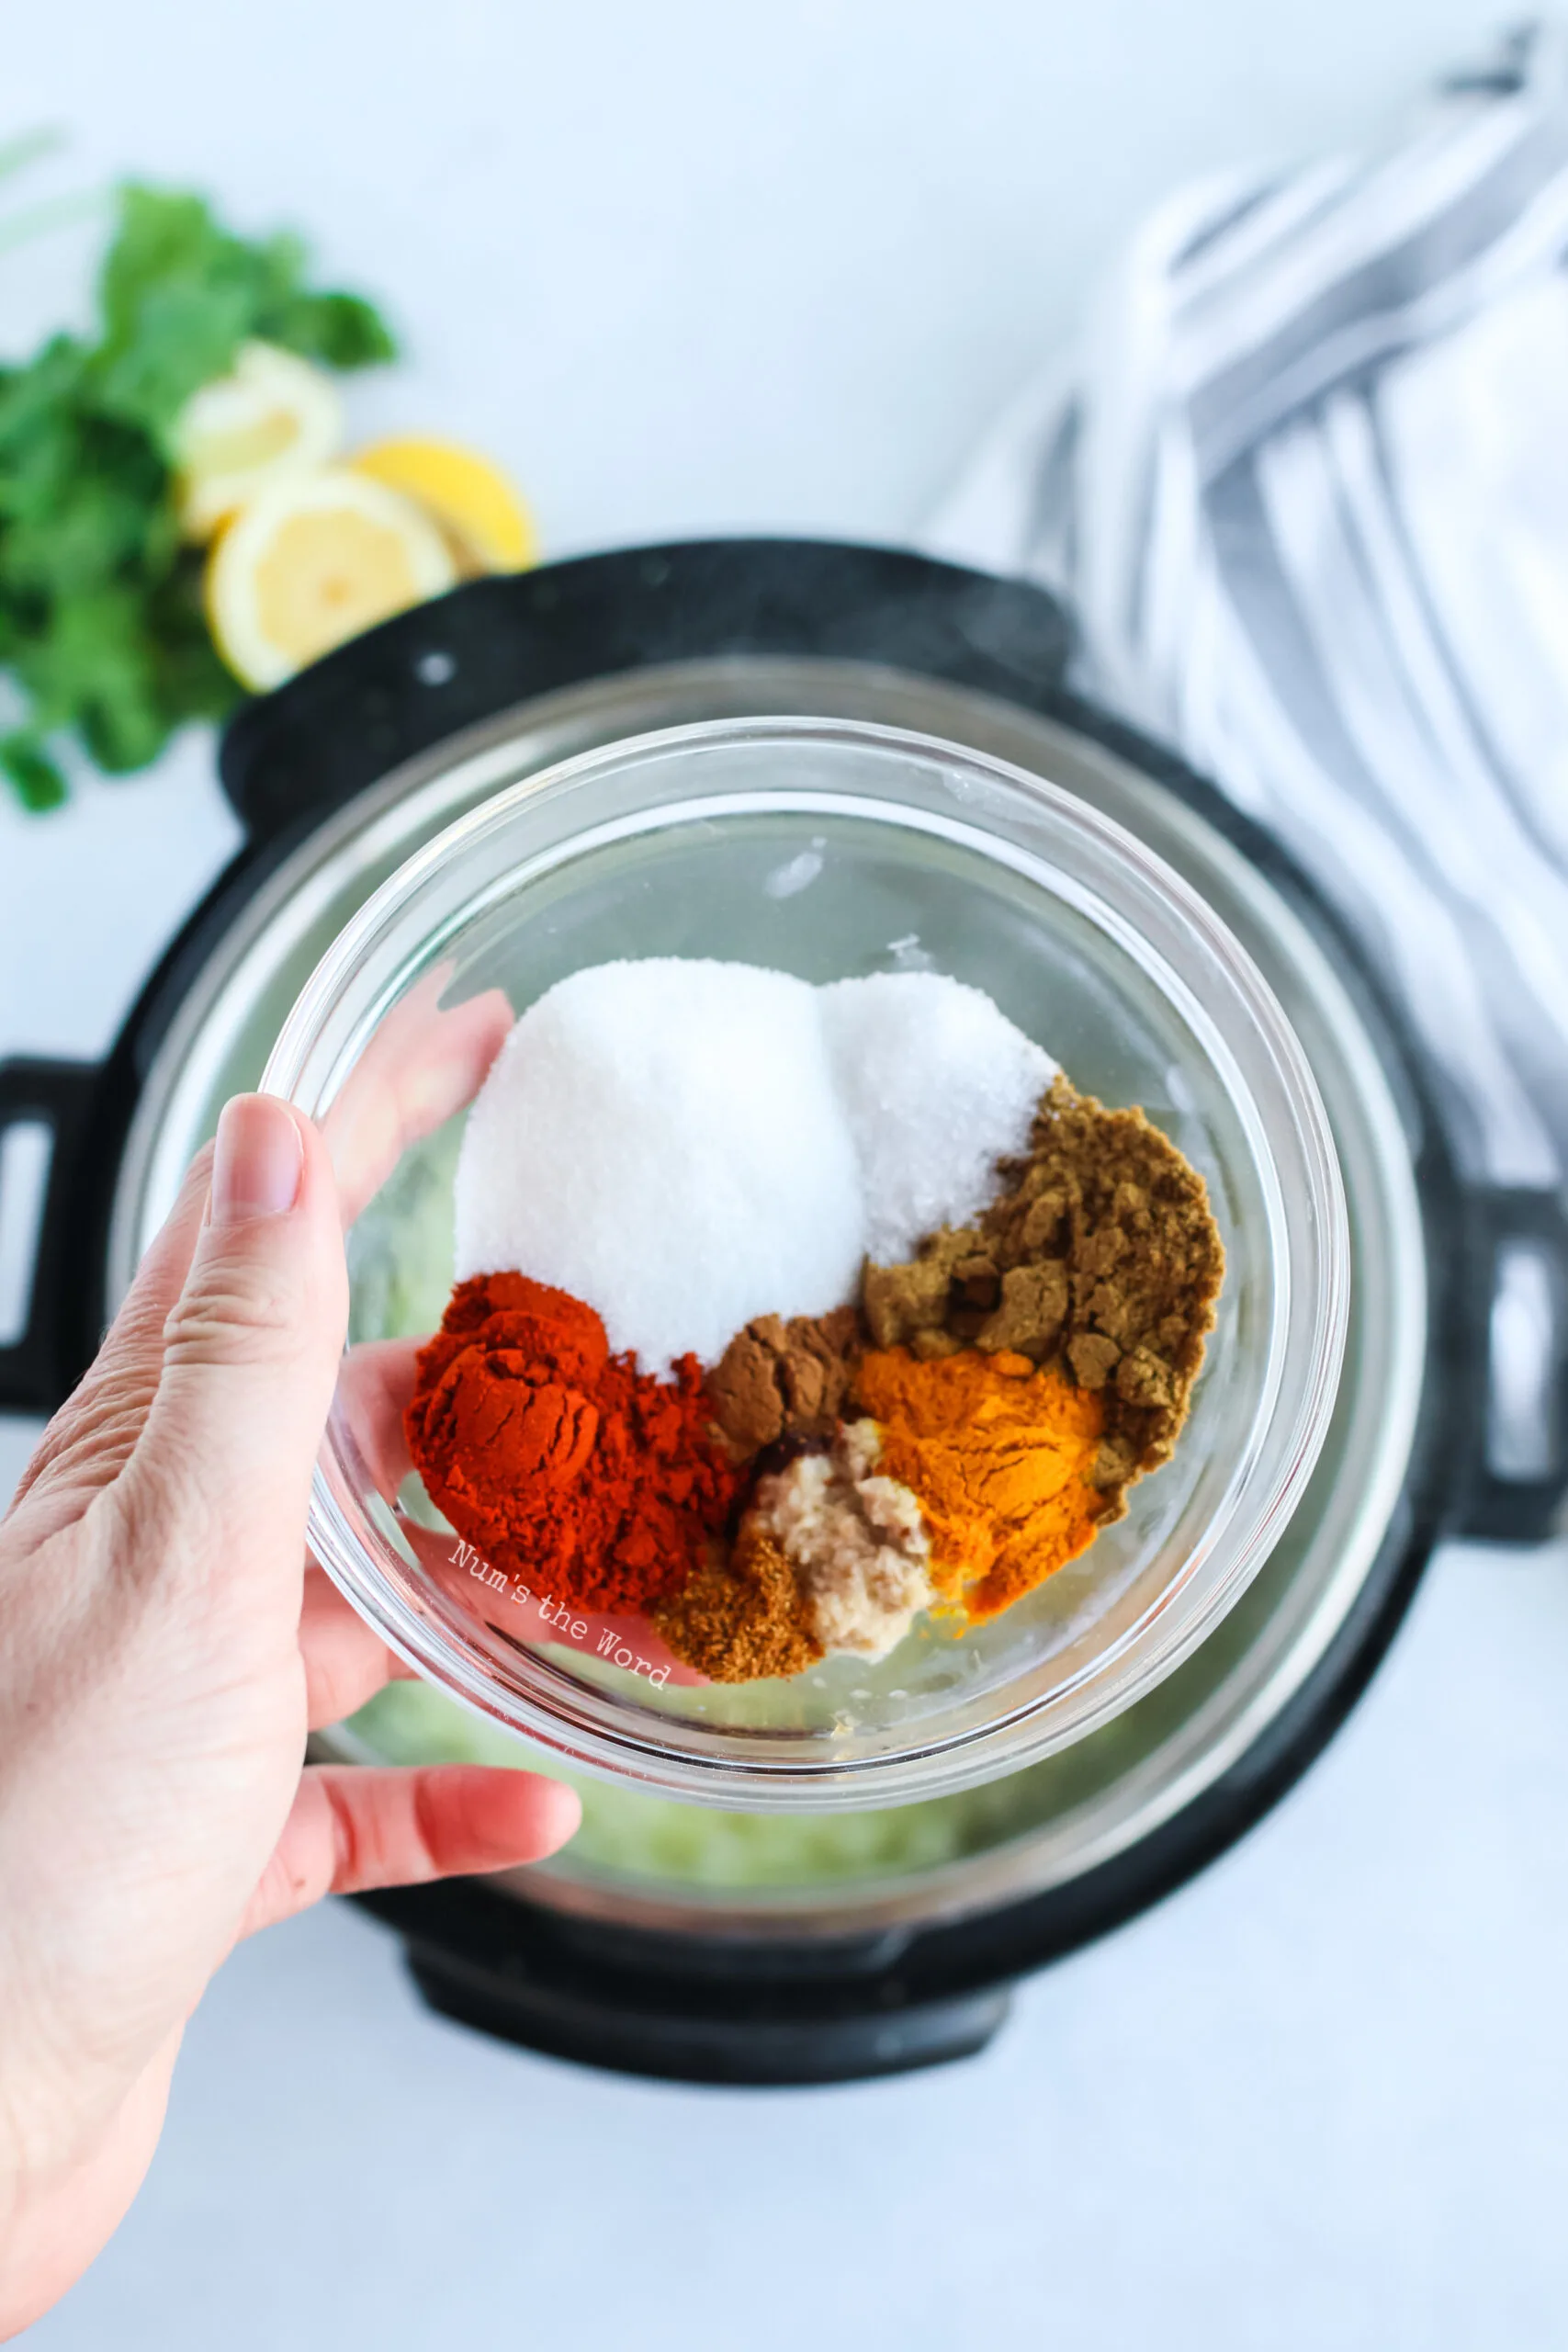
825	849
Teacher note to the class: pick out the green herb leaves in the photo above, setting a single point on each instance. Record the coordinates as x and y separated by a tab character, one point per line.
179	295
100	611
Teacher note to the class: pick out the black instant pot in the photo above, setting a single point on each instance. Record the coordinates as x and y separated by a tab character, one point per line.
336	776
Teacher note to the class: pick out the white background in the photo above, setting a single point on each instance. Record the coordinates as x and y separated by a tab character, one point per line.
710	266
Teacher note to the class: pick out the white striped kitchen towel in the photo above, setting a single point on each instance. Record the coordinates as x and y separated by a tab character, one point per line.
1305	486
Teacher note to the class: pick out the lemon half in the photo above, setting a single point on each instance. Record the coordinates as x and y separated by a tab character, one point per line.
311	561
491	528
275	416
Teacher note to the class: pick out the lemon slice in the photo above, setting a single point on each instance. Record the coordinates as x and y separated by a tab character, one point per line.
471	499
312	560
274	415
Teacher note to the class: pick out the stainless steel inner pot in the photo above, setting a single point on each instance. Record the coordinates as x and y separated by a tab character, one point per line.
1062	1819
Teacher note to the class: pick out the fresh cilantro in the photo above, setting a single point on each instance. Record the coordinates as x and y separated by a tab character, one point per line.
101	624
36	780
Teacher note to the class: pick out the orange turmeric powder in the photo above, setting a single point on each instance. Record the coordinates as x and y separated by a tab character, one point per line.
999	1453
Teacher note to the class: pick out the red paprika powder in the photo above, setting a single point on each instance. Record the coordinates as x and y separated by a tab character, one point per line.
563	1464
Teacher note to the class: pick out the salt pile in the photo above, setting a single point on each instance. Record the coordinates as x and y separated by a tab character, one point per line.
664	1140
937	1085
688	1145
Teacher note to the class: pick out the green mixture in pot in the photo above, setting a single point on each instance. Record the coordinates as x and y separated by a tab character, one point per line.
631	1835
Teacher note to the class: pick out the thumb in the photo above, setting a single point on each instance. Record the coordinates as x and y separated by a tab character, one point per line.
252	1344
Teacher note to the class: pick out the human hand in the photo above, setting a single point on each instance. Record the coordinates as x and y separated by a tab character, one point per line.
166	1650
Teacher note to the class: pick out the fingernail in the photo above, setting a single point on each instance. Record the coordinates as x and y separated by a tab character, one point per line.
259	1160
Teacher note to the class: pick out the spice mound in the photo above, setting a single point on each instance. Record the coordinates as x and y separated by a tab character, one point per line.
563	1464
1099	1255
1000	1456
777	1379
817	1313
855	1538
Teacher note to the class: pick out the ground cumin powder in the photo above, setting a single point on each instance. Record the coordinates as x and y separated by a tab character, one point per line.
1000	1456
738	1618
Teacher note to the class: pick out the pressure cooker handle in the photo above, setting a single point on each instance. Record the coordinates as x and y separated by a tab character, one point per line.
58	1096
1522	1479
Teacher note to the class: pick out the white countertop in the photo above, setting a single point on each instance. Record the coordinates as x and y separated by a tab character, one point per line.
709	267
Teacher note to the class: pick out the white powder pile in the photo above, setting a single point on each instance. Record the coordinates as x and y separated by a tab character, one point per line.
937	1085
688	1145
663	1139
